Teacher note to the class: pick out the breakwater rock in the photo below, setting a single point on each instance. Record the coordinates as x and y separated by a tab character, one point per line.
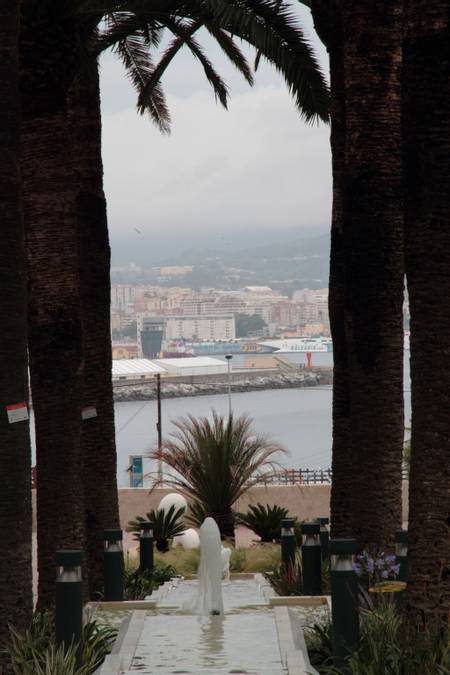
251	382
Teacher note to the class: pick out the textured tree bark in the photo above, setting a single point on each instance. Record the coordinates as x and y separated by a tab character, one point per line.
98	435
373	251
426	148
16	601
54	324
327	20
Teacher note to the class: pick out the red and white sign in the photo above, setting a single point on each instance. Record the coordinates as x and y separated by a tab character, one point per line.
17	412
88	412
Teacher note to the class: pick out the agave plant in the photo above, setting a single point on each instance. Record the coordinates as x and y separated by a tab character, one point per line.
214	462
265	521
166	525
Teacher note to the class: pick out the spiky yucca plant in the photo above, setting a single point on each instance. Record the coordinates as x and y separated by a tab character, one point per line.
265	521
34	652
166	525
388	645
215	461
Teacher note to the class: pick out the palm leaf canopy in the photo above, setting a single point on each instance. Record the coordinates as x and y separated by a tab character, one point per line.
135	27
214	461
166	524
265	521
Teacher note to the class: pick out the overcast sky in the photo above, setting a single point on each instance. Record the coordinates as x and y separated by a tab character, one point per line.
257	166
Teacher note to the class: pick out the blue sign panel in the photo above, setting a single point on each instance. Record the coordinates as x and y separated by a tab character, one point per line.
136	471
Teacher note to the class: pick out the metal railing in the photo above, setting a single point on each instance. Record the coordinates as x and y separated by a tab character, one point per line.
305	477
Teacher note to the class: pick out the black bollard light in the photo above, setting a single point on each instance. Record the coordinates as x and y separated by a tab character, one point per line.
401	553
324	537
113	565
146	547
69	602
311	559
288	543
344	599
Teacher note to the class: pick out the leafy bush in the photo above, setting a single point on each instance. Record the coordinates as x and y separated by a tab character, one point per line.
265	521
34	652
286	581
259	558
290	581
388	646
237	560
137	584
166	525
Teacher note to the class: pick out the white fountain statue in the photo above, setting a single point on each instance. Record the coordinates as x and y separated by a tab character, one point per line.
209	599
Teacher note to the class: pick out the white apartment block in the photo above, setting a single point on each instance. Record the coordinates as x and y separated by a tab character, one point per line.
200	327
122	296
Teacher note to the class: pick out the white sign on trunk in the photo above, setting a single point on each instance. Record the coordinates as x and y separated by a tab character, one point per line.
88	412
17	412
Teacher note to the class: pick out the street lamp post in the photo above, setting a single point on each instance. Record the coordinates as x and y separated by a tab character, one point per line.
159	425
228	358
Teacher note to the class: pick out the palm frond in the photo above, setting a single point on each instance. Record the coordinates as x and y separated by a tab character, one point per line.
184	33
122	25
273	30
134	53
230	48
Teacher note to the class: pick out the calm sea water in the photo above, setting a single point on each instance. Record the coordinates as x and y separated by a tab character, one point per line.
298	419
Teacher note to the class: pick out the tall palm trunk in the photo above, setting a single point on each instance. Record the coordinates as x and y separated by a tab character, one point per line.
55	346
98	435
15	457
327	20
426	125
373	249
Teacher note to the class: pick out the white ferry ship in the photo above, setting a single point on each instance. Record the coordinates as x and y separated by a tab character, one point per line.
318	344
289	345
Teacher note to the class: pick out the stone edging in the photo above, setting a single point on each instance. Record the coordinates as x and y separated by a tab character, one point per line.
291	641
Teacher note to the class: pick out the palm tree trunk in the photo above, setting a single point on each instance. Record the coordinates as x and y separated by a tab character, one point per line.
16	600
373	249
426	146
98	435
225	523
327	20
54	324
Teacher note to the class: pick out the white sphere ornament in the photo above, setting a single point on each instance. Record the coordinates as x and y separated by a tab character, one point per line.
189	540
172	499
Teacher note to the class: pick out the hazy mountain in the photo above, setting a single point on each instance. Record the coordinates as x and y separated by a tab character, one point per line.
159	248
286	264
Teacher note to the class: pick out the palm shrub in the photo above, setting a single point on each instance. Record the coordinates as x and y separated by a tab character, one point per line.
215	461
265	521
166	525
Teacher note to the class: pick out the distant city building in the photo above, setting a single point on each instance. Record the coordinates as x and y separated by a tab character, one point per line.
124	350
150	332
200	327
175	270
208	314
